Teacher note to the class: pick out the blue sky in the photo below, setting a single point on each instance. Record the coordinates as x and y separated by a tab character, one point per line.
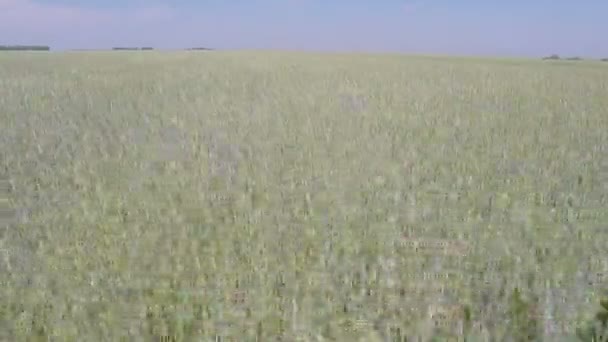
462	27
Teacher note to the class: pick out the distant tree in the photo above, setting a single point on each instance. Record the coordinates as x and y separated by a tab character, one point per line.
604	59
574	59
147	48
124	48
552	57
200	48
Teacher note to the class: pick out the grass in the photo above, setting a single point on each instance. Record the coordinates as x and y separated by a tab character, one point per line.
285	196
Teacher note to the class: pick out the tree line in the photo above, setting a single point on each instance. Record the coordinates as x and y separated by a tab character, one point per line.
148	48
24	48
118	48
555	57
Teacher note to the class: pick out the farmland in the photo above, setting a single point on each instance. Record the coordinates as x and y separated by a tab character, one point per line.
315	196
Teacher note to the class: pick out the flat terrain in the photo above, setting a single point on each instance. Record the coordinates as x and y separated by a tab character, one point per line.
282	195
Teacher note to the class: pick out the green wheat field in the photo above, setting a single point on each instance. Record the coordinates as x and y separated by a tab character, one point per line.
274	196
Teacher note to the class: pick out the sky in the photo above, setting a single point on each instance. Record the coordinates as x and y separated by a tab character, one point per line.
445	27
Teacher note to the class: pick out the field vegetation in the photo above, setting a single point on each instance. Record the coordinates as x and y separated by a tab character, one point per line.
292	196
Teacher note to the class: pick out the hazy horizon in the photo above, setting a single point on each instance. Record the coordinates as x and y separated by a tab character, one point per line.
469	27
